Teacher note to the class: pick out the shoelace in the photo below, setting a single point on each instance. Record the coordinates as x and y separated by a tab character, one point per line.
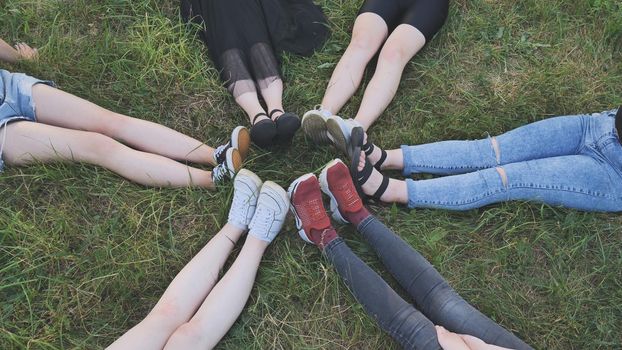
221	172
312	211
262	220
241	200
351	197
220	154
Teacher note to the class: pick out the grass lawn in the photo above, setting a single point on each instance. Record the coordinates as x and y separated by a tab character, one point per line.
84	254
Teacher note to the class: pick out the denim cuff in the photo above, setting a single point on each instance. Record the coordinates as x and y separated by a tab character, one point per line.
332	245
410	185
363	224
407	153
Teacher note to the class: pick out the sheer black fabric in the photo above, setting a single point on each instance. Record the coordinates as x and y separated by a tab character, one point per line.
244	37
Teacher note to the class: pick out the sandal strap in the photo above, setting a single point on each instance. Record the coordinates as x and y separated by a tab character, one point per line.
364	175
383	157
259	115
368	148
382	189
275	111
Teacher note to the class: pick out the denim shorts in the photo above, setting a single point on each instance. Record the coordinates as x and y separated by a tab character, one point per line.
16	101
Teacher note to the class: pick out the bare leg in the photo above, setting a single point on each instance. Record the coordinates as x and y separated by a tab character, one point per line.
183	296
27	142
368	34
273	95
250	104
224	304
403	43
58	108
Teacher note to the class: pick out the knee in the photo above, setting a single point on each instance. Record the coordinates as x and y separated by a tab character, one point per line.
364	43
503	175
188	333
166	310
168	314
394	55
110	123
99	146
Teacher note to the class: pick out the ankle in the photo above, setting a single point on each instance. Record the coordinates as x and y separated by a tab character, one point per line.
321	238
355	218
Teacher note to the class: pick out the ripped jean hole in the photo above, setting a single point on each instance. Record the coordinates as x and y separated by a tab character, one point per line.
495	147
503	175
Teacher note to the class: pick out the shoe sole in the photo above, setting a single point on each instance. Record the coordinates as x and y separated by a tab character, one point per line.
338	133
334	207
241	139
314	126
290	193
234	160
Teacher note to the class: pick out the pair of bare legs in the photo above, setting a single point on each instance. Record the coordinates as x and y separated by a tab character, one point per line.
369	33
72	129
272	95
195	311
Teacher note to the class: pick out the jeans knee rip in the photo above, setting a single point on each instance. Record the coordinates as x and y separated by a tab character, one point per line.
496	149
504	176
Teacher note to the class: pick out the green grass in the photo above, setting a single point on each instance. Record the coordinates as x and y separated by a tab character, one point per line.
84	254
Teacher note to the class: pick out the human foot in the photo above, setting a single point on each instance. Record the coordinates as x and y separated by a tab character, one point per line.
230	165
263	130
369	180
306	204
314	125
246	187
240	139
339	131
449	340
286	125
376	155
345	203
25	52
270	213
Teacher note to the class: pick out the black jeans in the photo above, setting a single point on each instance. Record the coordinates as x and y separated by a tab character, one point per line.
437	303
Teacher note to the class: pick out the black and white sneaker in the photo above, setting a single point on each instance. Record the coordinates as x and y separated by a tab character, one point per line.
231	164
240	140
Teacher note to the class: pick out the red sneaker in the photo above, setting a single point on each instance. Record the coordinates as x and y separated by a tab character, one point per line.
337	183
306	204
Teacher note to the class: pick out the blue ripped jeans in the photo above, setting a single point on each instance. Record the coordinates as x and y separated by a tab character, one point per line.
572	161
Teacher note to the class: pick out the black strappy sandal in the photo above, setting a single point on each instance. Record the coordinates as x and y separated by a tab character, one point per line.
286	126
368	148
361	177
263	132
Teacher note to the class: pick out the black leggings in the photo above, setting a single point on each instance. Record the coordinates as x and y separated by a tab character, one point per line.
426	15
436	301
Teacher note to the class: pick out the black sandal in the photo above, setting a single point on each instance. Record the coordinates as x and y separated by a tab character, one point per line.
286	126
361	177
368	148
263	132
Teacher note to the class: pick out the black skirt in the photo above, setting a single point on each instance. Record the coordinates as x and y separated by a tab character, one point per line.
245	37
